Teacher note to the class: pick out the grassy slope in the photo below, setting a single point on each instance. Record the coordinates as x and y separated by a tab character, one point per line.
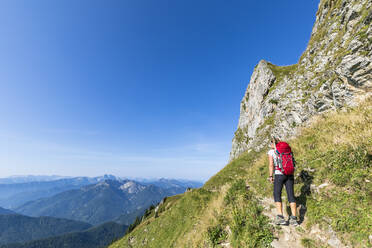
336	149
178	214
198	218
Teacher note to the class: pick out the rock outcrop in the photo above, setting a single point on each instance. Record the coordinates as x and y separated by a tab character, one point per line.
334	71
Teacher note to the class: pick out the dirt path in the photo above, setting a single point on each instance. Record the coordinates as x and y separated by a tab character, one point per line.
289	236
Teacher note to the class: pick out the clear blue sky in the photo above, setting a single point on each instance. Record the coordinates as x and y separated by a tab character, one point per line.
132	87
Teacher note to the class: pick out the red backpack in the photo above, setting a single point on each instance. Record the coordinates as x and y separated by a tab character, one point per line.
285	161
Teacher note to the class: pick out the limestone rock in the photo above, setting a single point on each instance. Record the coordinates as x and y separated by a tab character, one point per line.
334	71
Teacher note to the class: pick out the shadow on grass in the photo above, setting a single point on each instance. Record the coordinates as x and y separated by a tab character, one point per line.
307	180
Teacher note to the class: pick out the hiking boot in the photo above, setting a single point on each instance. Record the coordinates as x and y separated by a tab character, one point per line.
279	220
293	221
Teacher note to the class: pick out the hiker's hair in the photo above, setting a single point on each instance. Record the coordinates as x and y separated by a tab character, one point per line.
274	140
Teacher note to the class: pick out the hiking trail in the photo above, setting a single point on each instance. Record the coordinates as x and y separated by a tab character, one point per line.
287	236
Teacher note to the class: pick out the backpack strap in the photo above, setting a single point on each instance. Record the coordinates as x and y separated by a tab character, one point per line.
294	161
279	161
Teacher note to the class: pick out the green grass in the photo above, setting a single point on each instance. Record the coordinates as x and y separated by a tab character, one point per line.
249	227
336	149
308	243
346	205
179	214
243	215
230	173
216	234
274	101
177	217
239	135
280	72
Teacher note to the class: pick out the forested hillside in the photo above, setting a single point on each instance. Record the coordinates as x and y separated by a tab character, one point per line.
95	237
20	228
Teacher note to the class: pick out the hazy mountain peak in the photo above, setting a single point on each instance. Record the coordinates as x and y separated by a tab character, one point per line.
132	187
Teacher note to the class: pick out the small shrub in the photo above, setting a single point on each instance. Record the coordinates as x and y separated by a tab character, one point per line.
235	191
134	224
239	135
308	243
274	101
250	228
216	234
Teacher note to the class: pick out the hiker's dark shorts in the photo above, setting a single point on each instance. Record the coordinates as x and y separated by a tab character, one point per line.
279	180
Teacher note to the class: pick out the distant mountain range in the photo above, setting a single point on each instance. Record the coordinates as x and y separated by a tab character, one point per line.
101	202
95	237
171	183
29	178
16	194
6	211
20	228
81	211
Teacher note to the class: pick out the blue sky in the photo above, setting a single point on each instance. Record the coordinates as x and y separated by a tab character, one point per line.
144	88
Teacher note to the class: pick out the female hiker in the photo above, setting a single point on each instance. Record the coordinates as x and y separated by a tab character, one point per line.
281	168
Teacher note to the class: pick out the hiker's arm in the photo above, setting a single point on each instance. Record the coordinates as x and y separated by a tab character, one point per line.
271	166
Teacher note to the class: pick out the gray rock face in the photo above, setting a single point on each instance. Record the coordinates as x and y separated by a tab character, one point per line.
334	71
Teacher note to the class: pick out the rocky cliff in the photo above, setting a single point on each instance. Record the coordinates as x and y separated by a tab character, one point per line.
334	71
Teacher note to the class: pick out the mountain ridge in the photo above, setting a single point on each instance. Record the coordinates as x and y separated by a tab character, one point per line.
6	211
13	194
100	202
16	194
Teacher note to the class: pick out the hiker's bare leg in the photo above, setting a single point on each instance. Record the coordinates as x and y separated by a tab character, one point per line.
293	208
279	207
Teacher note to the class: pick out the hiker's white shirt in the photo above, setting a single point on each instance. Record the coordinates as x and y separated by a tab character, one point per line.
273	154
